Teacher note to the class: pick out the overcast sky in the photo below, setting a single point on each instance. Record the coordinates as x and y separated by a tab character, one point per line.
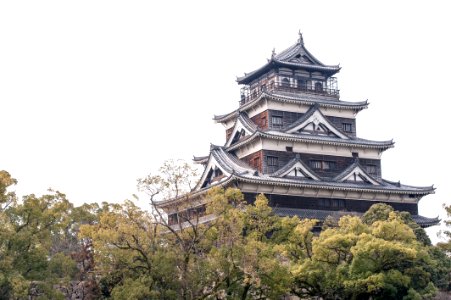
95	94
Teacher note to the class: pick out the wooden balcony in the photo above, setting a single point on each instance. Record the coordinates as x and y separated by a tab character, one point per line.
248	94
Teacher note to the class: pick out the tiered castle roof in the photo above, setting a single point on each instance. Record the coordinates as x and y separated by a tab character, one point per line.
295	56
294	140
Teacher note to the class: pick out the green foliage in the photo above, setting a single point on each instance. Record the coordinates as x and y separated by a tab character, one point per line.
381	212
244	251
377	257
7	198
377	212
62	266
37	238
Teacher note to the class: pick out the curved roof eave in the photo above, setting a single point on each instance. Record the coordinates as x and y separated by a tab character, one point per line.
200	192
337	186
422	191
248	77
382	145
356	106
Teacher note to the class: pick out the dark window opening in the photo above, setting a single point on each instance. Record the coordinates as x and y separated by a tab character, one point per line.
289	149
277	121
302	84
173	219
323	165
347	127
318	86
285	82
329	165
315	164
272	161
355	154
371	169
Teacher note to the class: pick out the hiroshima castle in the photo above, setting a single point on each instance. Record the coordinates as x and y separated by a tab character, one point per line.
293	140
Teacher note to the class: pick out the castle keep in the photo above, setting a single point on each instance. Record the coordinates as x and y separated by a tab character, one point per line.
294	140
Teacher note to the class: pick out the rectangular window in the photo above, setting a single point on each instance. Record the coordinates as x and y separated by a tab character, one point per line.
315	164
276	121
347	127
289	149
329	165
371	169
323	165
272	161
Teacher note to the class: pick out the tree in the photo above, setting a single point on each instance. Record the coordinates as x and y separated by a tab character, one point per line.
243	251
381	212
231	256
382	260
446	246
38	243
6	197
26	243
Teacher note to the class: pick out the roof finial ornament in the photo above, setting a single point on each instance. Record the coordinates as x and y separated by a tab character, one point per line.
273	52
301	39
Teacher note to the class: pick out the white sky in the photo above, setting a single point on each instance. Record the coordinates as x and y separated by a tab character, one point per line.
94	94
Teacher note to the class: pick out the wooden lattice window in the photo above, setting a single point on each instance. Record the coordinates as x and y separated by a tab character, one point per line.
273	161
277	121
323	165
347	127
371	169
316	164
329	165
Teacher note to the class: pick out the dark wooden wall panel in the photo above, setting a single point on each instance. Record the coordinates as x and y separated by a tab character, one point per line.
314	203
341	162
289	118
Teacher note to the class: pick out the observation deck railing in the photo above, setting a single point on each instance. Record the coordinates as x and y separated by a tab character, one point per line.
249	95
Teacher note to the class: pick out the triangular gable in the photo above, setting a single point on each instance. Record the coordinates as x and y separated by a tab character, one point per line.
358	175
213	173
239	131
317	124
303	59
297	169
298	53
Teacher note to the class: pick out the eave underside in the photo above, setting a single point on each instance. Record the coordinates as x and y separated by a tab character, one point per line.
389	192
321	215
